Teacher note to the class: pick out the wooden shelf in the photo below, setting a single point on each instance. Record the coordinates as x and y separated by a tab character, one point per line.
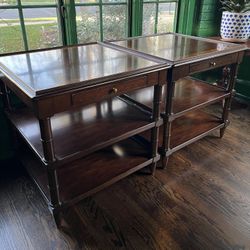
190	94
83	131
92	173
188	129
191	127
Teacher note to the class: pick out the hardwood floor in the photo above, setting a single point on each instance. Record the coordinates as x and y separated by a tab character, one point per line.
200	201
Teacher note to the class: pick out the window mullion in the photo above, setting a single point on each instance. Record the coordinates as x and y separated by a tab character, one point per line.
61	11
101	20
156	16
176	16
70	22
128	18
21	18
136	17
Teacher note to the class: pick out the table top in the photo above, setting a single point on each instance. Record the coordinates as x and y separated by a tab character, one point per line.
246	44
47	71
177	48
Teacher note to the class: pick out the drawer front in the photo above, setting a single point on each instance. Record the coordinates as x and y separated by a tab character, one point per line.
213	63
99	93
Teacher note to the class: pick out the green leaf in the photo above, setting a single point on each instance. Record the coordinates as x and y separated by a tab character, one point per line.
235	5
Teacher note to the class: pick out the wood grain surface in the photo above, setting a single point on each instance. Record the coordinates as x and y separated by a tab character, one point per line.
200	201
64	68
78	132
189	94
176	48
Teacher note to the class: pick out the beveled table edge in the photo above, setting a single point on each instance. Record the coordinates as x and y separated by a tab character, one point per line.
32	93
192	59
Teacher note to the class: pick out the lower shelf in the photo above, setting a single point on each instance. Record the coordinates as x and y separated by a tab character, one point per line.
188	129
191	127
86	176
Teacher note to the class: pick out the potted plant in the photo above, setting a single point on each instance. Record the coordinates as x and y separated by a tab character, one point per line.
235	22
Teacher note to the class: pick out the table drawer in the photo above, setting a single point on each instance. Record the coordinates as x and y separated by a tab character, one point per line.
213	63
99	93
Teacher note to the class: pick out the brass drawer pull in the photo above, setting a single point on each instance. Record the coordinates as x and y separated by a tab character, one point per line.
114	91
212	64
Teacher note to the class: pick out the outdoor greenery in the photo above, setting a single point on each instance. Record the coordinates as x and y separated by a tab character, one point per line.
88	23
10	39
26	2
165	22
39	36
44	31
7	2
239	6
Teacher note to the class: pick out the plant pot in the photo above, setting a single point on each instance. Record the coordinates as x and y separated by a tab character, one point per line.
235	27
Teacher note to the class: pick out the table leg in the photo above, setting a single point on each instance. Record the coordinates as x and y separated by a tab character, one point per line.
228	101
6	97
155	130
49	157
167	123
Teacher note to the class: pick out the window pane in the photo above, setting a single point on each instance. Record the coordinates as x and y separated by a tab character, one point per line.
86	1
7	2
114	21
37	2
166	17
42	28
149	14
88	24
114	1
10	32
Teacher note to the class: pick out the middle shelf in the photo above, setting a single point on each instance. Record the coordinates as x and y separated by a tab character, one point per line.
82	131
189	94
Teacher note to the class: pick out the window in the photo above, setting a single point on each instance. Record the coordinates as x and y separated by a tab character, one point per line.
28	24
159	16
99	20
37	24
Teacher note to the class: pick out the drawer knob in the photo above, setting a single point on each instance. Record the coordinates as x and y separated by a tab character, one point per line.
213	64
114	90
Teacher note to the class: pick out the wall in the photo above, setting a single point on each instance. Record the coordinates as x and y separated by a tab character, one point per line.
208	18
243	81
208	24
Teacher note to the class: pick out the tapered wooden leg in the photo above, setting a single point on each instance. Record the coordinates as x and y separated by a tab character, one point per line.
6	96
155	130
222	132
152	168
58	218
154	145
225	116
164	161
228	101
49	157
167	125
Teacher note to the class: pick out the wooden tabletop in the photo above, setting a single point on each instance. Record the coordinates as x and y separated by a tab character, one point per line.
177	48
246	44
38	73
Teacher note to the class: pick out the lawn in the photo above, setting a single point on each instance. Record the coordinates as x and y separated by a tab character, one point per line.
27	2
38	37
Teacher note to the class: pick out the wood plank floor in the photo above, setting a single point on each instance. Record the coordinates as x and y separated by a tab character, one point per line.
201	201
